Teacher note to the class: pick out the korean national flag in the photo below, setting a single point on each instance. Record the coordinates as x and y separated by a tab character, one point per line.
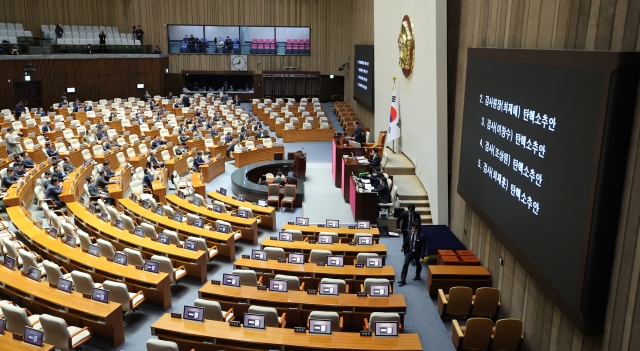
394	118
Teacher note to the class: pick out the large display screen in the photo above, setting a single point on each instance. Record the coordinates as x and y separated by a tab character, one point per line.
533	139
363	75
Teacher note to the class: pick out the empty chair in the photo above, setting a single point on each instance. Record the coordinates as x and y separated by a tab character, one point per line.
456	304
289	196
54	272
271	316
17	318
29	260
273	195
85	239
316	256
293	282
106	248
161	345
507	335
129	225
121	159
225	224
213	311
174	239
357	236
134	257
306	126
296	235
366	286
362	257
61	336
175	274
118	293
202	246
381	317
113	215
334	317
476	335
247	277
149	230
274	253
138	189
485	303
343	288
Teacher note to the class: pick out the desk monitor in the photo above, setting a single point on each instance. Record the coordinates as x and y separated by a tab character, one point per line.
243	214
120	224
296	258
191	245
177	217
259	255
71	241
262	202
365	240
302	221
104	216
328	289
325	239
230	280
222	228
386	328
374	262
53	232
320	326
254	321
94	250
363	224
9	262
241	197
164	239
159	211
284	236
145	204
379	291
278	285
100	295
217	208
34	273
196	201
120	258
92	209
33	336
192	313
151	266
198	223
65	285
335	261
333	223
181	194
3	322
139	231
223	191
134	197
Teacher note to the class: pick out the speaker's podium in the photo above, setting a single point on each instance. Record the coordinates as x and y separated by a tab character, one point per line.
299	164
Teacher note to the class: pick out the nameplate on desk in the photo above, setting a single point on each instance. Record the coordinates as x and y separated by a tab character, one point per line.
24	274
176	315
52	285
359	265
246	256
366	333
352	227
85	250
321	263
282	260
262	287
215	282
17	337
299	330
312	292
352	242
362	294
179	246
139	267
109	259
86	296
273	238
234	323
290	223
312	241
320	225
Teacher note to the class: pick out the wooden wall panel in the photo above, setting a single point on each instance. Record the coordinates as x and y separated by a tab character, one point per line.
564	25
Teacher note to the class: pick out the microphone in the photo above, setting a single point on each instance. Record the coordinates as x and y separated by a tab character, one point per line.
352	155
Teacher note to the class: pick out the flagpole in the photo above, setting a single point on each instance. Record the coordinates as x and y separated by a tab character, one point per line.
393	146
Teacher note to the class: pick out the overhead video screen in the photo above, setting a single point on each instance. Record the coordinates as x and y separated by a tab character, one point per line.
363	75
533	144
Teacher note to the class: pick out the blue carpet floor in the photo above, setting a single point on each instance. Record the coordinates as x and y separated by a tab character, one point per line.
421	318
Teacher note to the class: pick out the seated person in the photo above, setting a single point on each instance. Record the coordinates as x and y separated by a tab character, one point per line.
228	138
197	161
46	127
9	179
183	137
213	131
67	166
26	161
46	180
375	160
110	144
58	172
153	161
53	193
19	169
180	149
148	179
107	167
243	136
157	142
103	181
234	146
51	152
41	112
263	180
261	134
384	196
280	179
95	191
89	137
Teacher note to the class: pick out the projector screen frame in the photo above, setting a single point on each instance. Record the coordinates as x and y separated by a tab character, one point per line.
607	177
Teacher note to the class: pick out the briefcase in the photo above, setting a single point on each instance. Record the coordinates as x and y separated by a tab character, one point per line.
384	230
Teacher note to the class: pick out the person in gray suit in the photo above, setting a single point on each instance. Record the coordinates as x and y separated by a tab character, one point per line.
12	143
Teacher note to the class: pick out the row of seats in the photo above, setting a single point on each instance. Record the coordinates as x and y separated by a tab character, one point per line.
97	42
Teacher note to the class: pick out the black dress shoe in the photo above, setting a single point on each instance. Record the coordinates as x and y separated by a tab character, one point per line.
402	283
417	277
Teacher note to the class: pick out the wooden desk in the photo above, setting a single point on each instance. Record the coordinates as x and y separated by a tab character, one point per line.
248	227
160	186
111	156
117	190
224	242
363	204
304	135
298	304
343	232
195	262
348	251
181	165
200	336
213	169
267	214
257	155
199	186
348	167
338	151
445	277
154	286
103	319
15	196
73	186
14	345
311	274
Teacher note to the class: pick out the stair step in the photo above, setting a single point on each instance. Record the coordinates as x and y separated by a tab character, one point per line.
412	197
407	202
423	210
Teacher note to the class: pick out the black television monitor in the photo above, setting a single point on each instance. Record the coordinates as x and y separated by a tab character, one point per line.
320	326
278	285
255	321
262	202
296	258
139	231
335	261
65	285
223	191
192	313
386	328
94	250
198	223
33	336
34	274
3	323
243	214
100	295
191	245
120	224
53	232
159	211
241	197
222	228
325	239
104	216
284	236
332	223
374	262
120	258
177	217
9	262
363	77
196	201
181	194
381	290
217	208
230	280
328	289
164	239
363	224
70	241
259	255
302	221
365	240
151	266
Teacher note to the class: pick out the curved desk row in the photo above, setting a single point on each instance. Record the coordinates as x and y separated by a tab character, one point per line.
202	336
224	241
23	192
195	262
345	249
298	304
248	227
343	232
243	180
267	214
243	158
154	286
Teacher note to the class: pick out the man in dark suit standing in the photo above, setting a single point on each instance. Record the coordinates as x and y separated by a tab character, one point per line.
53	193
414	248
358	135
375	159
407	217
384	196
20	109
185	101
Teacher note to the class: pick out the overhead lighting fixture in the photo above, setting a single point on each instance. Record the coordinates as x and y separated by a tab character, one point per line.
27	78
166	70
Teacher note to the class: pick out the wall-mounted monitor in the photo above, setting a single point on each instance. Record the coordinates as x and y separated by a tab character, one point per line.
139	86
71	90
362	67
